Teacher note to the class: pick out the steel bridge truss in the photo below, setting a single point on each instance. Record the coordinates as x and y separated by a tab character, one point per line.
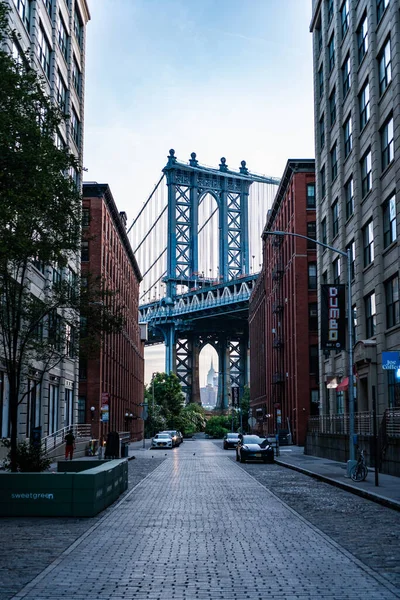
198	310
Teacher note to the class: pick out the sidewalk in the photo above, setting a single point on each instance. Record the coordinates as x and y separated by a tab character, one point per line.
330	471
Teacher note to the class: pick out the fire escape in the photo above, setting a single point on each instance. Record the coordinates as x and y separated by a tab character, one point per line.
278	374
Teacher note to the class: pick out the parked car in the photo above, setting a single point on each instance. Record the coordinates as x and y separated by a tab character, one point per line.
180	435
162	440
176	439
231	440
253	447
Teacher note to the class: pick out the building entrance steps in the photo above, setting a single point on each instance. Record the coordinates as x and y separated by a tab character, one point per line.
333	472
200	527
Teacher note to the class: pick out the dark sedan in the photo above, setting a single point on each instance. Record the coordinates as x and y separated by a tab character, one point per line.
253	447
231	440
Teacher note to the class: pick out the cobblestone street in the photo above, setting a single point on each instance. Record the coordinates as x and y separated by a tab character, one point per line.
200	526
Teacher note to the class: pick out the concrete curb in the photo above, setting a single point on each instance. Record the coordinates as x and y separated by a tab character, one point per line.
344	486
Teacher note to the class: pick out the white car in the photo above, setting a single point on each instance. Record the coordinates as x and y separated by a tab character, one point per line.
162	440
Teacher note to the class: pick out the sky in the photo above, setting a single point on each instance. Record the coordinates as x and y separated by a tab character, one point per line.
220	78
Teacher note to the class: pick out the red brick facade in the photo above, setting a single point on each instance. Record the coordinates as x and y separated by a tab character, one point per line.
283	311
117	369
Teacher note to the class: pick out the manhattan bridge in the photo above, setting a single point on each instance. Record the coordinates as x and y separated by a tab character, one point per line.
197	240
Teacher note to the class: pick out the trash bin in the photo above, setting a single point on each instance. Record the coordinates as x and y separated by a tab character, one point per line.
124	450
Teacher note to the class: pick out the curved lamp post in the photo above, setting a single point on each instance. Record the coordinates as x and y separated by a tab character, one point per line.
347	255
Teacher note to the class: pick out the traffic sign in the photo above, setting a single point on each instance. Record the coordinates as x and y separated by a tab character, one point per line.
252	421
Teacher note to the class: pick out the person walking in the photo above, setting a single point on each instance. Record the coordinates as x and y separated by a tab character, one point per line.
69	445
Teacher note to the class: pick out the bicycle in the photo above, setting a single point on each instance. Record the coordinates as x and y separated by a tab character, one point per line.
360	471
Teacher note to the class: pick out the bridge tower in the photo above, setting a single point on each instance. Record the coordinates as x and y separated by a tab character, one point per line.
188	184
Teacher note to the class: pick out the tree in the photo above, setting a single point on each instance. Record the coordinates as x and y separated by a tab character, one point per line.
191	419
40	224
218	426
165	402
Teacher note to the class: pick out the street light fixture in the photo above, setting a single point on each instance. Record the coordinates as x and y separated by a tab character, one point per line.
347	255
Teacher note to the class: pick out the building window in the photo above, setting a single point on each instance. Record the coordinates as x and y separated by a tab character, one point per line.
334	164
323	231
321	81
323	182
81	409
370	315
330	10
85	251
392	302
340	403
362	39
85	217
53	408
366	173
312	276
76	76
313	316
385	67
389	221
335	219
61	91
24	10
331	53
380	8
352	248
332	106
311	233
346	76
348	137
75	127
394	388
349	196
82	369
322	131
43	52
336	271
78	28
70	340
48	4
60	143
319	37
62	37
364	106
310	195
314	367
368	241
345	17
387	147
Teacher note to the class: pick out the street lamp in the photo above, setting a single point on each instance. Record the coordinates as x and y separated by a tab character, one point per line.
347	255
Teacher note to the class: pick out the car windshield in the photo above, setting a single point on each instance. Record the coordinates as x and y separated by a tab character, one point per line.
163	436
233	435
252	439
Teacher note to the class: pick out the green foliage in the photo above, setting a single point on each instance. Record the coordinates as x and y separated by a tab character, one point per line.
165	402
30	458
191	419
218	426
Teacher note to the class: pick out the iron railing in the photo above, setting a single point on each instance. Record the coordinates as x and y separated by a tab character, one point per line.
81	432
363	423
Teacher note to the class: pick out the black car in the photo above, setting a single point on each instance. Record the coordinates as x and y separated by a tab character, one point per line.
231	440
253	447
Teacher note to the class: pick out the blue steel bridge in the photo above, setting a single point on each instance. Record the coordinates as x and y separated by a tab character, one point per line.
197	240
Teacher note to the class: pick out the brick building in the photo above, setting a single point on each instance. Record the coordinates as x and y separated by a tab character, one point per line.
114	376
283	323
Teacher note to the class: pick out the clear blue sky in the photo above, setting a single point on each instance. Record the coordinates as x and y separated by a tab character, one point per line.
226	78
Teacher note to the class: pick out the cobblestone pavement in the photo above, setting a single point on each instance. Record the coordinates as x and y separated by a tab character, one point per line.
34	543
200	527
366	529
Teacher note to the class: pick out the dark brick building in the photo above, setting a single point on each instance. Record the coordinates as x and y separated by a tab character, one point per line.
114	376
283	319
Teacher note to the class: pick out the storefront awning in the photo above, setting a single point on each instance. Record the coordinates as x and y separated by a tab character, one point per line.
343	385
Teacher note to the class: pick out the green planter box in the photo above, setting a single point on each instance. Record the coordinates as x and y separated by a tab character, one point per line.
79	489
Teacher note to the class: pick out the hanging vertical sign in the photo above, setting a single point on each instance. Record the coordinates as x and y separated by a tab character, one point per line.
235	396
333	322
105	407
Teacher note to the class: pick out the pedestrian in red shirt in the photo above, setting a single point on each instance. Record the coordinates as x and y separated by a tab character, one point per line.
69	445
